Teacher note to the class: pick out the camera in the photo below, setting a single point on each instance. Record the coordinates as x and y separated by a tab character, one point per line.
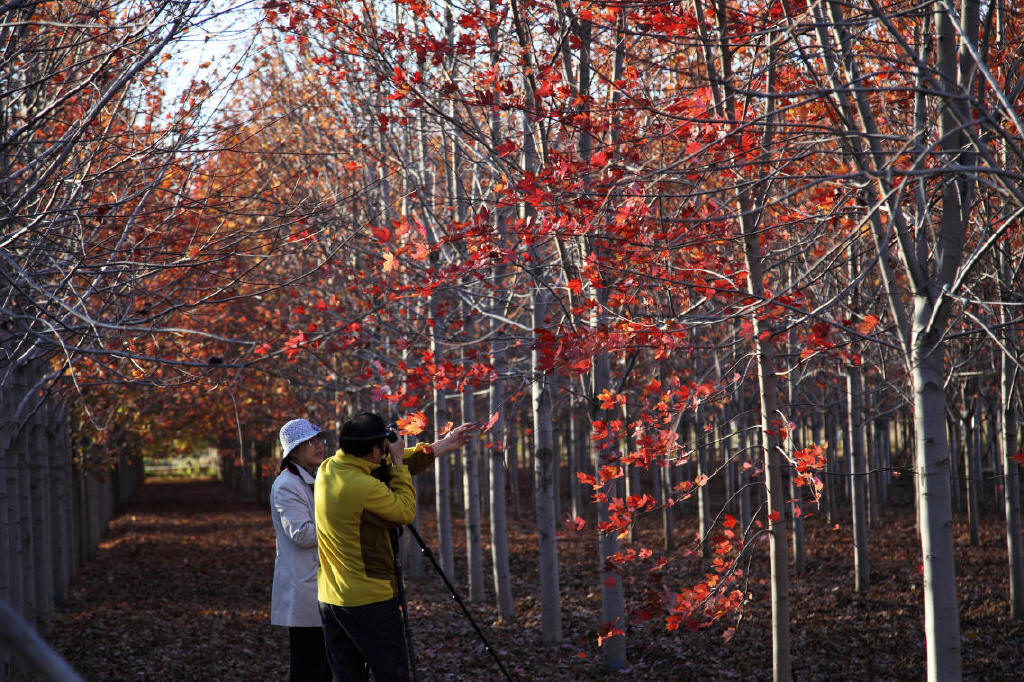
391	432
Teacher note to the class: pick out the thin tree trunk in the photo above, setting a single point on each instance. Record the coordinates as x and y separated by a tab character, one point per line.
26	550
544	488
1008	448
974	480
832	477
499	528
575	487
42	509
858	483
442	495
942	623
704	454
795	494
10	576
513	466
871	459
612	600
745	484
955	454
792	444
773	464
471	472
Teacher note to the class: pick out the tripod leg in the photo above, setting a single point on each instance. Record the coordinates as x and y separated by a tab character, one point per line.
458	598
405	606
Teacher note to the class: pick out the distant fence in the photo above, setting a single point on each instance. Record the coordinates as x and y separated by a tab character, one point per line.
251	474
53	512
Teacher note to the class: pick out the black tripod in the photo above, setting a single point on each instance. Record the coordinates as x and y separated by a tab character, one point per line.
451	589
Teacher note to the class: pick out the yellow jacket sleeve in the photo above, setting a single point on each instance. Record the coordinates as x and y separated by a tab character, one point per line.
397	504
417	458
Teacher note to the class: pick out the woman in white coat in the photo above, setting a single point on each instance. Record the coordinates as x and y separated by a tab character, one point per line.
293	601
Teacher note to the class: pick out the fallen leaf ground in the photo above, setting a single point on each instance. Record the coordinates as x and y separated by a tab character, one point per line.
180	590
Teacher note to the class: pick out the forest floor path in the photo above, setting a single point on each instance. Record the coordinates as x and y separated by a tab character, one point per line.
180	590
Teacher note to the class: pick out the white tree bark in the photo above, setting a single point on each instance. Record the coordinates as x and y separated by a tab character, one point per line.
498	467
703	454
21	445
858	482
544	488
1009	417
471	486
972	459
1011	497
942	622
442	493
778	550
63	499
42	510
9	515
499	519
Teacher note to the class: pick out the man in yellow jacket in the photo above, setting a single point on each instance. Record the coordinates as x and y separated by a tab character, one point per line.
354	511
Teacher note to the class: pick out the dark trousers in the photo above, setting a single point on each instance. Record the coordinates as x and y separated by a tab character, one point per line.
365	639
308	655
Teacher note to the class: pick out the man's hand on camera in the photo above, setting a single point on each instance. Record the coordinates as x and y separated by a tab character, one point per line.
455	439
395	450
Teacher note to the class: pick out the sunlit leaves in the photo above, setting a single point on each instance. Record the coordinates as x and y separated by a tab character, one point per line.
412	424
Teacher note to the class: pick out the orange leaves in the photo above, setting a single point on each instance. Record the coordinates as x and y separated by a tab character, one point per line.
609	400
412	424
607	632
470	21
641	502
491	422
809	458
531	191
620	559
619	522
806	462
818	338
609	473
868	325
576	524
418	251
506	148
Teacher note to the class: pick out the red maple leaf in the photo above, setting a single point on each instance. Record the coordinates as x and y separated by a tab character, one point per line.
491	422
412	424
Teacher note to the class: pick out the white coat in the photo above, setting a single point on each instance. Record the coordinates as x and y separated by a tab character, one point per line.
293	600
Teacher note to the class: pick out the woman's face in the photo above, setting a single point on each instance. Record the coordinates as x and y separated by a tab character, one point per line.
310	454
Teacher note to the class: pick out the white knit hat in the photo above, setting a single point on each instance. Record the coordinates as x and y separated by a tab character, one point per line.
295	433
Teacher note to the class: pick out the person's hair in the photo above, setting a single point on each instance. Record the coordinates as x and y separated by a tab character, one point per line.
361	433
289	465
